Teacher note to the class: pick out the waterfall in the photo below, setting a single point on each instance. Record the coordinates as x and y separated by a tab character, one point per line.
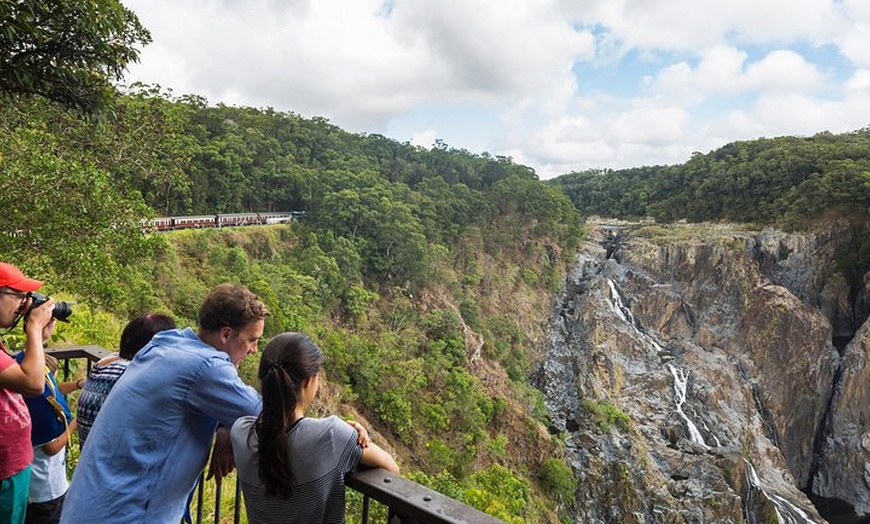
618	306
681	383
681	377
786	512
625	314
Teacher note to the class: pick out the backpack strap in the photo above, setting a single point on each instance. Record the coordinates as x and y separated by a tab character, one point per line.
52	399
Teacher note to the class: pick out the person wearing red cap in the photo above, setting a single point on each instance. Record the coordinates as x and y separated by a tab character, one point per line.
16	452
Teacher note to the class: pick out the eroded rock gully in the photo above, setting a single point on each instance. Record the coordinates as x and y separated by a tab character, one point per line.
716	343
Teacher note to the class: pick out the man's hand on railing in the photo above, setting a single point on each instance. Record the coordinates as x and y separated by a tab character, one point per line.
222	463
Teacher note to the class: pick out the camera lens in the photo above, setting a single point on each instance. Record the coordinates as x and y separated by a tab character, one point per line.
62	311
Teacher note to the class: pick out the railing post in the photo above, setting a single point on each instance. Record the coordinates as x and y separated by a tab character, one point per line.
200	490
407	501
217	502
237	512
365	511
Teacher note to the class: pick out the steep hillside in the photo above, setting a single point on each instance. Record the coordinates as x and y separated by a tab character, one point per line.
694	371
438	373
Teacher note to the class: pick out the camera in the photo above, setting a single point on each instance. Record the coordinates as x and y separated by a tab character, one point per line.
62	310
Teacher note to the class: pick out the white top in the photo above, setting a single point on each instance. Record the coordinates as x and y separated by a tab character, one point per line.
47	476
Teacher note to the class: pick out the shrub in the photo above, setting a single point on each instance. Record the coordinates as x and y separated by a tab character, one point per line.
558	479
605	415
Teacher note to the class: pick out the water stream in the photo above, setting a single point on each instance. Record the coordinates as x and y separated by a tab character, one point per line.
681	376
681	383
786	512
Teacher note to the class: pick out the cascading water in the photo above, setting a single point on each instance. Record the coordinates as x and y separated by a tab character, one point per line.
786	512
681	384
681	377
618	306
689	327
625	314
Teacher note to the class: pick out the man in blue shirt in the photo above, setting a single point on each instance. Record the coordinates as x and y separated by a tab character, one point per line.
152	436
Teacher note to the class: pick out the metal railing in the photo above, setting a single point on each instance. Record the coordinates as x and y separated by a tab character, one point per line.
91	354
407	502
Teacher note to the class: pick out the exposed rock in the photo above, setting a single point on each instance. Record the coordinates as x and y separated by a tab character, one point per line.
844	463
716	345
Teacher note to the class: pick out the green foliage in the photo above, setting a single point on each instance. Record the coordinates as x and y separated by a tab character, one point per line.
508	346
357	302
558	478
498	447
72	223
441	456
605	415
67	50
853	255
779	180
404	257
394	409
500	493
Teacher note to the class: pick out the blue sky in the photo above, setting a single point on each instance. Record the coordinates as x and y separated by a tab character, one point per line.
558	85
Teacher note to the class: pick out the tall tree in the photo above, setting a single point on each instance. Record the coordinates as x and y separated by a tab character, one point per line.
68	51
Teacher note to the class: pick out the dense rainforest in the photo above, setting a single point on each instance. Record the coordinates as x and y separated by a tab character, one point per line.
788	182
425	275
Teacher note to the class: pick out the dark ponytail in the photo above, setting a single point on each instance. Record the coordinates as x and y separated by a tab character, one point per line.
288	360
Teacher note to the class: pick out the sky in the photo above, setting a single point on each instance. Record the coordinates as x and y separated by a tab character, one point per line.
556	85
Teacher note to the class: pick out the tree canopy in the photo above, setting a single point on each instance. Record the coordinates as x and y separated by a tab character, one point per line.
785	181
68	51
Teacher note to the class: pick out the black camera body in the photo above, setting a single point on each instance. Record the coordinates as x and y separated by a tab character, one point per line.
62	310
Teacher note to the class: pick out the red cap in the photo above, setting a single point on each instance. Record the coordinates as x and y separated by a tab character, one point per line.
12	277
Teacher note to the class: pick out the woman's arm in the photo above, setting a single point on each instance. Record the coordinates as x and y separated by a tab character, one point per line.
68	387
375	457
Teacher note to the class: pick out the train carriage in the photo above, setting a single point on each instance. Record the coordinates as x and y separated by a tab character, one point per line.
276	217
238	219
196	221
161	224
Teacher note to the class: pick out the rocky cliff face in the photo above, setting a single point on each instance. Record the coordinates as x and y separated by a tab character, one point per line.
694	377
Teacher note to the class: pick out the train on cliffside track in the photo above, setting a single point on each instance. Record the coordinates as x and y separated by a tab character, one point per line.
160	224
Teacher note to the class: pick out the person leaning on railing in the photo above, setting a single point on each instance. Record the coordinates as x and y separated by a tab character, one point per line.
152	437
291	467
27	378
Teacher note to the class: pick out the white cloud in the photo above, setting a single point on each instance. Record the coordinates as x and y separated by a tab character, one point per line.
720	69
425	139
348	60
859	82
783	70
651	124
710	72
724	70
688	25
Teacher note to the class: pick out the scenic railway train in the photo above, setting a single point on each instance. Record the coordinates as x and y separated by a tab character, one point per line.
159	224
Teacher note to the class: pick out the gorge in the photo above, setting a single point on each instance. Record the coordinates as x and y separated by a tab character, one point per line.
709	373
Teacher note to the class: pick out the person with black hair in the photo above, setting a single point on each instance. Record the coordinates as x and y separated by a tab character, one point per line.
105	373
152	437
52	424
292	467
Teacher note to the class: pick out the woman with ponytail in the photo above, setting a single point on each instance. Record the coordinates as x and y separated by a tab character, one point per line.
292	467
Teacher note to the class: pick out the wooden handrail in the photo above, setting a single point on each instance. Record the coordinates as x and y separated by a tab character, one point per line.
412	502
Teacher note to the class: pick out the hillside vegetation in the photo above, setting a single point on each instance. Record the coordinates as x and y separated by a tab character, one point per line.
426	276
788	182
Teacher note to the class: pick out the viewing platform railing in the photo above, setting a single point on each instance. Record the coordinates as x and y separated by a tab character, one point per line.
406	501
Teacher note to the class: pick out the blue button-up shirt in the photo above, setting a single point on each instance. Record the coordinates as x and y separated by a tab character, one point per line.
152	436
